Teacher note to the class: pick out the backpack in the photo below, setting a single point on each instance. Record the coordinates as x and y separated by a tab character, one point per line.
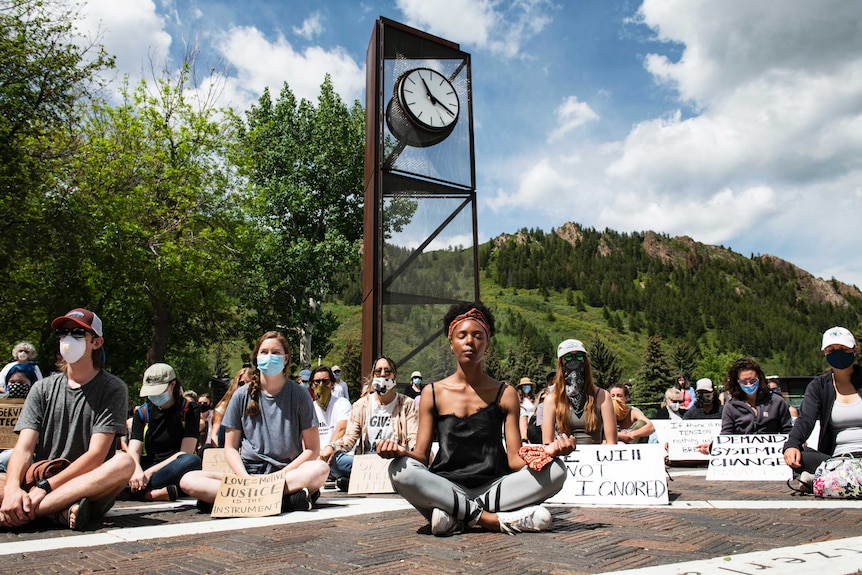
143	412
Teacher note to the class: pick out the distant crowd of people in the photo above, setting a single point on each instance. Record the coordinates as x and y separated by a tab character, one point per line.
444	437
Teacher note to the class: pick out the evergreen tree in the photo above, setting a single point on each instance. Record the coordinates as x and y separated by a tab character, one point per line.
655	374
603	362
683	359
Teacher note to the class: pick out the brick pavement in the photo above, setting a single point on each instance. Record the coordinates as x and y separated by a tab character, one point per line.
582	539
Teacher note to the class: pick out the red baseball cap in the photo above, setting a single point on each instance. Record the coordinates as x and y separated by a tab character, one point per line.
82	318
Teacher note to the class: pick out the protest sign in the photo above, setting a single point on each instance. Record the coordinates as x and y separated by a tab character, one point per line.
615	475
748	458
254	496
213	460
684	435
10	409
370	474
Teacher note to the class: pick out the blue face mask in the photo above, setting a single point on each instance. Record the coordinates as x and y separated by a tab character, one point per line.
527	388
270	363
750	389
840	359
161	399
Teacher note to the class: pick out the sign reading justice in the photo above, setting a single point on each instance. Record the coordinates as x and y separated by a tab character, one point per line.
615	475
254	496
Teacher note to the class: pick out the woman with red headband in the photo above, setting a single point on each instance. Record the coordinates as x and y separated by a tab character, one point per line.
475	479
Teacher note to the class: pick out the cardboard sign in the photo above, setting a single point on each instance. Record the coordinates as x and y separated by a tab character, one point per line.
10	409
684	436
213	460
747	458
615	475
370	474
255	496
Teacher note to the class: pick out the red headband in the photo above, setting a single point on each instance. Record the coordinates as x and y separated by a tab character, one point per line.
473	314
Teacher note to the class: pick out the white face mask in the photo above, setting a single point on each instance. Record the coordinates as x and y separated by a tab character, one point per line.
22	356
72	349
382	384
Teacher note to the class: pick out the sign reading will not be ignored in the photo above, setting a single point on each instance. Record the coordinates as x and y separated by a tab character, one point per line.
615	475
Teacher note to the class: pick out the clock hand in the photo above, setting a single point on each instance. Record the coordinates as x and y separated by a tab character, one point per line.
434	100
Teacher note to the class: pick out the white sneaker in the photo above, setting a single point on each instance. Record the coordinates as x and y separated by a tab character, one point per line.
532	519
443	524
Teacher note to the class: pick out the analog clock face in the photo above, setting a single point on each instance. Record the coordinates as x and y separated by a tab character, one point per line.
429	99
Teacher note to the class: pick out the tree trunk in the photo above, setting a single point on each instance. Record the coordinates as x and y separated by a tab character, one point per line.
161	331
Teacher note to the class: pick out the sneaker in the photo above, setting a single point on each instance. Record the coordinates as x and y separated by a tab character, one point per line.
803	483
443	524
532	519
299	501
342	483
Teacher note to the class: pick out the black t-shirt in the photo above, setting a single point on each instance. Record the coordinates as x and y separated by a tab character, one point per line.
166	430
409	391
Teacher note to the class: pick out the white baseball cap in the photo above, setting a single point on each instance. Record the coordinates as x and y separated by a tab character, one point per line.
839	335
570	345
704	383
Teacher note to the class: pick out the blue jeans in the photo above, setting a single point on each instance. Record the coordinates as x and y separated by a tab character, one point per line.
171	473
341	465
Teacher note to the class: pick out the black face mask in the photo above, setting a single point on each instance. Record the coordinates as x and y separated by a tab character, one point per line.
205	407
573	370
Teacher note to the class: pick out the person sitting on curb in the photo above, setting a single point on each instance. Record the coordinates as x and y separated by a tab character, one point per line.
76	415
634	426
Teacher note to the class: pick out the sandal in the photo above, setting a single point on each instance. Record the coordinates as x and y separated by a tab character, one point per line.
799	486
82	516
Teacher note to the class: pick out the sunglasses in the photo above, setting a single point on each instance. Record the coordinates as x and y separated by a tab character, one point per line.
321	381
383	371
76	332
578	355
752	381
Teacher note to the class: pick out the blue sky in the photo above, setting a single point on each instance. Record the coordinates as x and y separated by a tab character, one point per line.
737	123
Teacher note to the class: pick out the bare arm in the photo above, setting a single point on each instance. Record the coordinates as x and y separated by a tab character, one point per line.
609	418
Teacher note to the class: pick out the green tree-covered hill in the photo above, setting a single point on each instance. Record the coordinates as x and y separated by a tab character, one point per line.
705	306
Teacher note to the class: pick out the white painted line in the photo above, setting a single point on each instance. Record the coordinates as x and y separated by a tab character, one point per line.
801	503
346	507
837	557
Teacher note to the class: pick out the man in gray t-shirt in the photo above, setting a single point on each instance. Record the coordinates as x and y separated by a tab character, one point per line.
77	415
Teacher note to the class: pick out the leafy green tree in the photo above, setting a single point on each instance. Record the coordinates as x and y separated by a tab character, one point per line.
156	207
305	164
655	374
47	73
603	362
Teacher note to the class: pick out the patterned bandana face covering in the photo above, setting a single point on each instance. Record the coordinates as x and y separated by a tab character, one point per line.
382	384
573	371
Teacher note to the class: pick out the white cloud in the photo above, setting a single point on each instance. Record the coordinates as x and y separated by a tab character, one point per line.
261	63
311	27
570	115
131	30
501	27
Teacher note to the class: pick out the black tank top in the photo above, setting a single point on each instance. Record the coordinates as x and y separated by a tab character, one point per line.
471	451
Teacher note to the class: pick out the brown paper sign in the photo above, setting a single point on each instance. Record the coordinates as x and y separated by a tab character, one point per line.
214	460
370	474
10	409
255	496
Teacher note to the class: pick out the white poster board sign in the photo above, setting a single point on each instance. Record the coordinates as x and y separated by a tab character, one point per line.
683	436
370	474
748	458
615	475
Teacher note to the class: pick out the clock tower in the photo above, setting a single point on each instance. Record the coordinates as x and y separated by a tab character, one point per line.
420	236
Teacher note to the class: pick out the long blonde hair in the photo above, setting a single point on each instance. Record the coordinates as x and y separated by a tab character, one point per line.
561	399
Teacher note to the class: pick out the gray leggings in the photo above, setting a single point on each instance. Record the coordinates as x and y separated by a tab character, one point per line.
426	490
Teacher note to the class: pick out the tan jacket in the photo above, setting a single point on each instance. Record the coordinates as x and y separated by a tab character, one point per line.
405	423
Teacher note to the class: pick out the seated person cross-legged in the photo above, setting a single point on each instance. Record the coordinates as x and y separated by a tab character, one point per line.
381	413
475	479
271	427
834	399
163	438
